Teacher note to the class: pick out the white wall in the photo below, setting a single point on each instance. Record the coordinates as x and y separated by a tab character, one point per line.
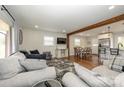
85	42
94	45
71	44
34	40
93	42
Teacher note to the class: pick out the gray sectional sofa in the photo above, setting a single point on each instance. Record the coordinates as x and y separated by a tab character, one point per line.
101	76
16	71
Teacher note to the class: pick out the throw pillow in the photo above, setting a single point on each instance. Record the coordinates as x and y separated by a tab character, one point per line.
24	52
34	52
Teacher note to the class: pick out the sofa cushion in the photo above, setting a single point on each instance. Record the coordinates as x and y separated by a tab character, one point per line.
34	52
9	67
71	80
106	72
119	80
28	79
33	64
35	56
89	78
115	63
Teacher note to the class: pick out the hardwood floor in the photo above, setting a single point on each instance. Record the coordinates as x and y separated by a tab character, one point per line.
89	63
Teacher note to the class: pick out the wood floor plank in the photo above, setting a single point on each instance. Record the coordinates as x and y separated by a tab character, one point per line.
89	63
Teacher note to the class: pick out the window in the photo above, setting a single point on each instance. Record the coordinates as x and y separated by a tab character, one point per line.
77	42
121	41
48	41
2	44
4	39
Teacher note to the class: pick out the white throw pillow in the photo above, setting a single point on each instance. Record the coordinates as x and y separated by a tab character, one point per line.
88	77
33	64
9	67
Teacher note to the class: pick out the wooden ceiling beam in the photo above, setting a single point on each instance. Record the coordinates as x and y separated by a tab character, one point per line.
99	24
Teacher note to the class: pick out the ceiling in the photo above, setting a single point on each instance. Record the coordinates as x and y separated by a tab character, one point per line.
58	18
117	27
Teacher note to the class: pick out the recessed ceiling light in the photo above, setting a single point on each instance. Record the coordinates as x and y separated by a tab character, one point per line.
36	26
64	31
111	7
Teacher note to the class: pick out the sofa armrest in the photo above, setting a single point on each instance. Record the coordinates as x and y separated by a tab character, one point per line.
28	79
71	80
